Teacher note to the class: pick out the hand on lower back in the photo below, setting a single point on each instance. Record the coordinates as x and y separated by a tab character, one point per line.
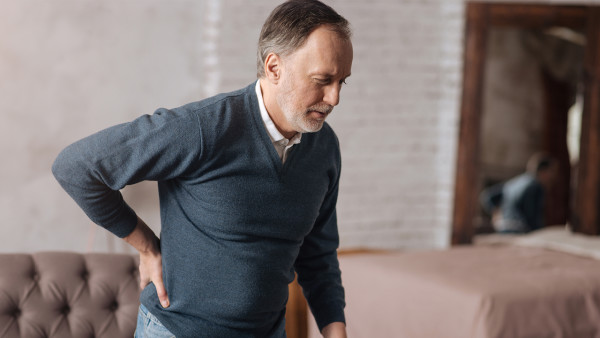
147	244
151	271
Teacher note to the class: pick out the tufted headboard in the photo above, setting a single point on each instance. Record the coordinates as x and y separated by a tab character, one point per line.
59	294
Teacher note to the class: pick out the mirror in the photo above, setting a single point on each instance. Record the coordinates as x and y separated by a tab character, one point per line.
532	103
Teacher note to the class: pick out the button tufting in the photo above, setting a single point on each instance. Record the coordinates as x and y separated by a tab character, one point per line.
85	275
16	313
65	310
114	306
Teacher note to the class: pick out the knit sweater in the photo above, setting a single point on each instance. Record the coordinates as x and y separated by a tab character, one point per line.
235	222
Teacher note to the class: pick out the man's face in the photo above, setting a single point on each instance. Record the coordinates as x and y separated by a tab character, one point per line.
311	80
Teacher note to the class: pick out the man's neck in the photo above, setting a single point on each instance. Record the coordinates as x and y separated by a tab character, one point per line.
274	111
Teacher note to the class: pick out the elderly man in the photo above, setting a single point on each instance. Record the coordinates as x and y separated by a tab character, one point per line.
248	184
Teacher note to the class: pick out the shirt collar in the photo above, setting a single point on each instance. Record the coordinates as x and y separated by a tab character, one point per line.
275	135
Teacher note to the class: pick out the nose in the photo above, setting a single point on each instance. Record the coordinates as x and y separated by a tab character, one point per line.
332	94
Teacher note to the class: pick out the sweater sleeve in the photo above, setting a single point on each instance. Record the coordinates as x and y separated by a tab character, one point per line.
317	263
153	147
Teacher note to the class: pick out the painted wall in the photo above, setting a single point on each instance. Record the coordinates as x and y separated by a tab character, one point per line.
71	67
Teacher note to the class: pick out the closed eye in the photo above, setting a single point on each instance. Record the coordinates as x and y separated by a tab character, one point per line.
326	81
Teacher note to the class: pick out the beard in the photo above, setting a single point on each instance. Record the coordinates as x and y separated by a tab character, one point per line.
302	120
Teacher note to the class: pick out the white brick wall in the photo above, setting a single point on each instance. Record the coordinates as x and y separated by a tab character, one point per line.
75	66
397	124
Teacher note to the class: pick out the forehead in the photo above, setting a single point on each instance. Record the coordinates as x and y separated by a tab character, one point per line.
324	52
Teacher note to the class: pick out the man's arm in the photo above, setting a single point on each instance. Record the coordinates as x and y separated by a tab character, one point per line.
143	239
318	267
93	170
154	147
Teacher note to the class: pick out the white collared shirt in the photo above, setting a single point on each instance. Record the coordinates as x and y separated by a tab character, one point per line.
281	144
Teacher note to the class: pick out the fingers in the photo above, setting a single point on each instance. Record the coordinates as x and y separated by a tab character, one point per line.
161	292
151	271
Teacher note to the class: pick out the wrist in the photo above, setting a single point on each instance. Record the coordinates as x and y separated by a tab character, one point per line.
151	244
334	330
144	240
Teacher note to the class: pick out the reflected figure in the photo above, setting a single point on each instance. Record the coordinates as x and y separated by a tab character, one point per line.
517	205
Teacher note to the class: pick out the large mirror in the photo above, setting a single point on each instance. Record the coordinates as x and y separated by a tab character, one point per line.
531	112
531	82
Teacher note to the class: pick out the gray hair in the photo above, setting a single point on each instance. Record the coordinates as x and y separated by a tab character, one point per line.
290	24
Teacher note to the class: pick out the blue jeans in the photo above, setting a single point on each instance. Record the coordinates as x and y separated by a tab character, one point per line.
148	326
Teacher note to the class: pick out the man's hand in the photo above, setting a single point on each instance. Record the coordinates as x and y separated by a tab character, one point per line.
147	244
334	330
151	271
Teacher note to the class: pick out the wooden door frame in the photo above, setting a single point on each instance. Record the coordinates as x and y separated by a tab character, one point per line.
480	17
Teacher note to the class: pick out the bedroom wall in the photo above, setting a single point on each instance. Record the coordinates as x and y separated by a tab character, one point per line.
71	67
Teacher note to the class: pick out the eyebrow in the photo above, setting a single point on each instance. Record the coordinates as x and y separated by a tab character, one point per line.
328	74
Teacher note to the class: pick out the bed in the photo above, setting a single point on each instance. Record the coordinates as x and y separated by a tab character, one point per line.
545	284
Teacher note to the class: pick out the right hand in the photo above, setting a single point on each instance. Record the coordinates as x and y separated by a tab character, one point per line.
151	271
143	239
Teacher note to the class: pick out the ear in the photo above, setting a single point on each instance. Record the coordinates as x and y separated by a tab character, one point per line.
273	68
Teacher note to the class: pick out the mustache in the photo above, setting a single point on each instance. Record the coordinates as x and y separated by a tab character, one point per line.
321	108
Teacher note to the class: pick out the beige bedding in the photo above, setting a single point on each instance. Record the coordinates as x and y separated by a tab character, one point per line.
477	291
561	239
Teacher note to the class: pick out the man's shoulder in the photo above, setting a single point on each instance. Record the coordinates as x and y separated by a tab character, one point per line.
220	118
234	99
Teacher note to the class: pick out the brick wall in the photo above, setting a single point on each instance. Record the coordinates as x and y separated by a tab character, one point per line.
397	123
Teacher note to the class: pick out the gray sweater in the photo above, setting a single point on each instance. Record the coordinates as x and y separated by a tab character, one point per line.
235	222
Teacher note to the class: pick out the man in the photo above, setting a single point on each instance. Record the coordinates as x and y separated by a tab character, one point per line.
248	183
517	206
